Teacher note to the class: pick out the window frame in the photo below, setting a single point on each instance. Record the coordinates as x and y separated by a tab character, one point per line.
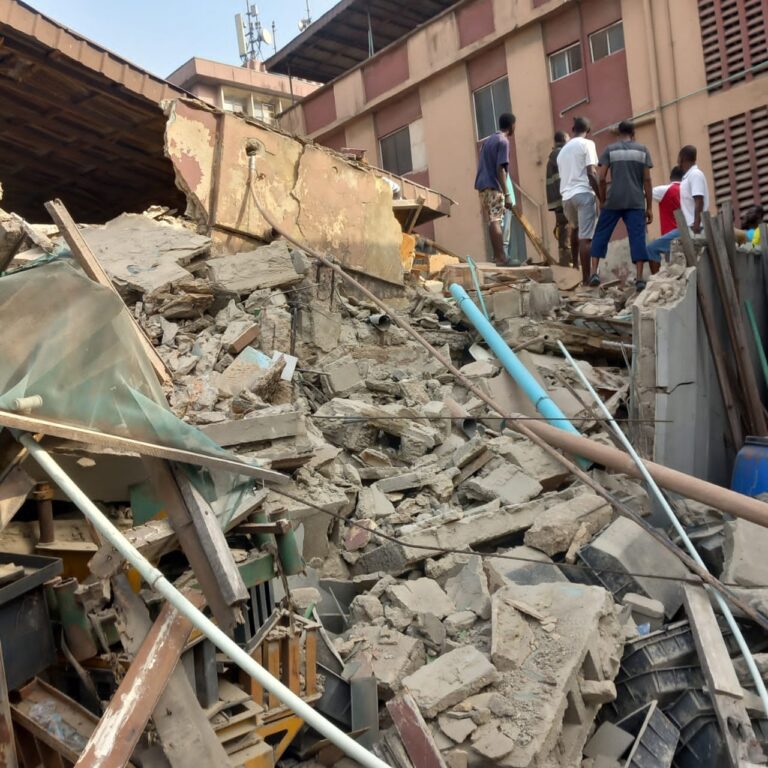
489	86
572	46
606	32
398	172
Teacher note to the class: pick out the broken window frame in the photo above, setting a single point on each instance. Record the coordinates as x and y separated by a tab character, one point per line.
613	36
572	56
401	165
496	89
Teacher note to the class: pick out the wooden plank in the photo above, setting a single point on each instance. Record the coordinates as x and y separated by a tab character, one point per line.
536	241
86	258
756	421
249	683
185	733
135	447
272	653
13	493
248	336
291	657
7	744
310	662
117	734
223	596
414	732
212	538
719	358
724	689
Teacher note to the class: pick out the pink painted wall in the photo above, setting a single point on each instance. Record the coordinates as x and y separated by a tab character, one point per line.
385	72
475	21
319	110
398	114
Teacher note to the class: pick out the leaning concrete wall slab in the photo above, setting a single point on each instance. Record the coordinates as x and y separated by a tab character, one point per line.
224	163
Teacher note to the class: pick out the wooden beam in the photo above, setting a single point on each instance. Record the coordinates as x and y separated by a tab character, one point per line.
732	309
117	734
84	256
719	358
722	683
414	733
135	447
185	733
536	241
7	744
206	550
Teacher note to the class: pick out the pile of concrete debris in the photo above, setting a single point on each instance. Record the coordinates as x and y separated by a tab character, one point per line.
460	578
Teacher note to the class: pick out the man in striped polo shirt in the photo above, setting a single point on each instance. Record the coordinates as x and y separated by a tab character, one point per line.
629	198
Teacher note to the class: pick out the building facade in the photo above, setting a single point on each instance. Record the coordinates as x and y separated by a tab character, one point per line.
248	90
687	71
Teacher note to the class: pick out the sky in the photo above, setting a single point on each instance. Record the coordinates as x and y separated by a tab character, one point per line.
160	35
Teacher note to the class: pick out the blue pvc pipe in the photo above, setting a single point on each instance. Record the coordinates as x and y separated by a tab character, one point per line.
533	390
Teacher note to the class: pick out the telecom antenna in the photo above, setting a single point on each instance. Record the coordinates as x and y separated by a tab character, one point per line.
306	21
251	34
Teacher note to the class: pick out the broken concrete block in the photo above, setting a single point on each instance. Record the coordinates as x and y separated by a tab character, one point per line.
432	631
421	596
268	424
359	536
319	328
450	679
270	266
609	741
457	726
745	550
456	758
625	546
459	622
341	377
508	483
553	531
645	610
508	304
469	589
512	639
305	597
392	656
532	459
491	742
597	692
373	504
248	367
239	335
501	572
445	567
365	609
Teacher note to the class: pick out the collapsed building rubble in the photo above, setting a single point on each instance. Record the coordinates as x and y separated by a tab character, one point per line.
419	567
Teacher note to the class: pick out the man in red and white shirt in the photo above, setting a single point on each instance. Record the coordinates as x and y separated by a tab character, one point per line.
668	198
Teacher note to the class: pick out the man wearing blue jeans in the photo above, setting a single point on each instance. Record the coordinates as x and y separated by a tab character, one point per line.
629	198
694	200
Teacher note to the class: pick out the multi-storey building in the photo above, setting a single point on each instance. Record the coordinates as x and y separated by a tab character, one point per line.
420	89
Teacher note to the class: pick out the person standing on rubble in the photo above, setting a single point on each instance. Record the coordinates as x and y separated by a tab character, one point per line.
577	164
668	198
491	182
629	199
694	200
555	202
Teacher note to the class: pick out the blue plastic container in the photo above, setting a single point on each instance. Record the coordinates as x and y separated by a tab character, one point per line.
750	470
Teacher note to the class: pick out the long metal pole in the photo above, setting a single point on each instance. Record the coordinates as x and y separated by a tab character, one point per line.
159	583
681	532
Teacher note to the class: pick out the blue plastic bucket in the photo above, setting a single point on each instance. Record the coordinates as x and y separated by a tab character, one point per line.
750	471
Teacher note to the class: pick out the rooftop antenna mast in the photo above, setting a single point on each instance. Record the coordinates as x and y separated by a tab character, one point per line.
307	20
251	34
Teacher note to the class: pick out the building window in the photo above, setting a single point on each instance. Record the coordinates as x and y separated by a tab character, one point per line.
238	103
491	102
607	41
396	152
738	148
264	112
735	39
565	62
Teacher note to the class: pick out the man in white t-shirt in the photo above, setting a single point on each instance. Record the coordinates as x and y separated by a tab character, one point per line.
694	200
577	165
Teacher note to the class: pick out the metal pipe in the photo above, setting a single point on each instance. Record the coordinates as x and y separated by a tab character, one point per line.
380	321
463	419
681	532
532	389
159	583
545	436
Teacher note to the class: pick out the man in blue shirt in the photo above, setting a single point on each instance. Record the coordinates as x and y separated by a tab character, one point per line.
491	182
629	198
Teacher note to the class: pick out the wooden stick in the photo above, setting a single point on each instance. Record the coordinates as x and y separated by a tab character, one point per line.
86	258
537	242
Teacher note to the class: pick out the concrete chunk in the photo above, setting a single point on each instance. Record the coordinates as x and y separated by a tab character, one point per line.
501	572
450	679
512	639
267	267
469	589
508	483
746	545
645	610
421	596
554	531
